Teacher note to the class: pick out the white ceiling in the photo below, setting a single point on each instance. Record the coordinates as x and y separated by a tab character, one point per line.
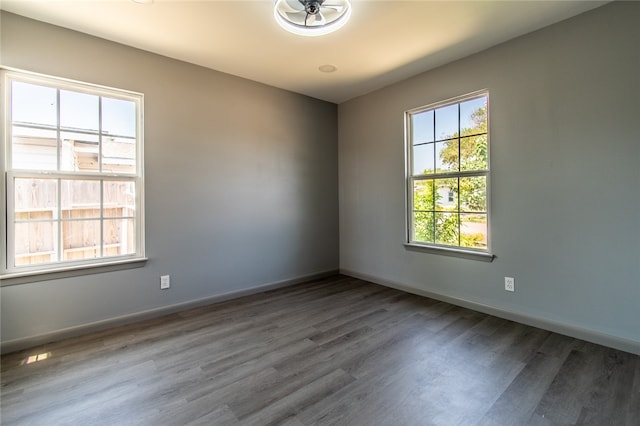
384	42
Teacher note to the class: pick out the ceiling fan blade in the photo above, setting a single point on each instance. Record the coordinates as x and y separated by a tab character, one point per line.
320	19
297	18
314	20
336	7
296	15
330	14
291	6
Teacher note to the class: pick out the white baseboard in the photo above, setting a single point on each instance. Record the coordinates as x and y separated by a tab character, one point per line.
31	341
589	335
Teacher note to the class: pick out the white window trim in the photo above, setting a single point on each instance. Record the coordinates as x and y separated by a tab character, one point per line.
455	251
9	273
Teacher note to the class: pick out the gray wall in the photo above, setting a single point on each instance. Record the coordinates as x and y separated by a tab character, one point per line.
241	183
565	148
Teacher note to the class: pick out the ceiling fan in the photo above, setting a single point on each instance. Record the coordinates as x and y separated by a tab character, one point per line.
312	17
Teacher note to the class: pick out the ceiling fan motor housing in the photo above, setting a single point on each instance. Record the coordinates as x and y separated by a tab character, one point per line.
312	7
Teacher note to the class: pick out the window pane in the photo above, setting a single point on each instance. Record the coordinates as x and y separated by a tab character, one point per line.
447	228
473	116
79	152
81	239
79	110
80	199
474	153
422	127
36	195
447	122
118	155
34	149
473	230
447	156
118	117
119	199
423	159
443	189
423	226
35	242
473	194
33	104
423	195
119	237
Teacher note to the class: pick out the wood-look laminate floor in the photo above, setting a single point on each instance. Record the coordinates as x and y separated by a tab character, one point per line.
337	351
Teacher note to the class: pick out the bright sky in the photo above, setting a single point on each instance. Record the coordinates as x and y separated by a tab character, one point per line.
37	104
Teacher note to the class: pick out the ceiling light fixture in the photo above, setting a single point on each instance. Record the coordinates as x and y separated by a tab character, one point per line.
312	17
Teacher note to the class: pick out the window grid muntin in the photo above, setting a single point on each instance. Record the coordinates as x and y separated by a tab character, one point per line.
59	219
8	263
414	177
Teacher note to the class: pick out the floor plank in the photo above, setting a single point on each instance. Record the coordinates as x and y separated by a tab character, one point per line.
336	351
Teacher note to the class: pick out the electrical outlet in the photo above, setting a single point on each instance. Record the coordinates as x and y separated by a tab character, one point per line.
509	284
165	282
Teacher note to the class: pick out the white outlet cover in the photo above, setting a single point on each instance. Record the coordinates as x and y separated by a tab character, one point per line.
165	282
509	284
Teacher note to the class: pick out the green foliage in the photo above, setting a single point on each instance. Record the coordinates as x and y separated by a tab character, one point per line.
473	194
447	228
423	226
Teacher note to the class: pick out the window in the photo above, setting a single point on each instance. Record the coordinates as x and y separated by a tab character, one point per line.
448	173
74	174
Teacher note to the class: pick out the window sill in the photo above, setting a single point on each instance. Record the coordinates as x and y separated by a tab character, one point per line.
26	277
450	251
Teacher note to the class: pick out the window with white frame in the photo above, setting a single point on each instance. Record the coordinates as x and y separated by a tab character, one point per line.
73	167
448	174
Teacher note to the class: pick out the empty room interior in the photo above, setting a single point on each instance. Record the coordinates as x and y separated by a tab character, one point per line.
304	212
